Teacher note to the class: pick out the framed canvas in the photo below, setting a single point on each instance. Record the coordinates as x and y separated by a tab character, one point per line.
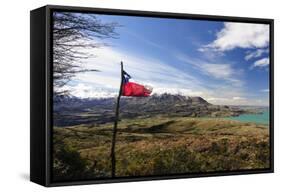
122	95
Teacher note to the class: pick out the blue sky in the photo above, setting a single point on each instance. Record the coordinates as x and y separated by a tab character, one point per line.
225	63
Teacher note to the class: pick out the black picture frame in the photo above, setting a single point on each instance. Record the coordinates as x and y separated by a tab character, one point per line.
41	92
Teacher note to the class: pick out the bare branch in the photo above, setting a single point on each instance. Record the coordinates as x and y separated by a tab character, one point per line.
73	33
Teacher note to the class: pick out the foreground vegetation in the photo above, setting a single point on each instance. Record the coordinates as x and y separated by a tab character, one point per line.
159	145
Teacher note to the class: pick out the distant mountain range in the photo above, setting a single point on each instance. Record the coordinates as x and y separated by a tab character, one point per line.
70	110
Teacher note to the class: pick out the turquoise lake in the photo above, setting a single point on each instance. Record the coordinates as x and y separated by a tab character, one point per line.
262	118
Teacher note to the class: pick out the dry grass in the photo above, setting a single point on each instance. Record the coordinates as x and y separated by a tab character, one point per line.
161	145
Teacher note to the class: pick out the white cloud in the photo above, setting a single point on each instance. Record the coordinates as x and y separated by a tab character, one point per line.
144	70
239	35
221	71
229	89
265	90
261	63
83	90
162	77
255	54
238	101
180	91
238	98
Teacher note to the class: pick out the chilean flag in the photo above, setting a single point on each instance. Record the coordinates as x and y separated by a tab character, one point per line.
134	89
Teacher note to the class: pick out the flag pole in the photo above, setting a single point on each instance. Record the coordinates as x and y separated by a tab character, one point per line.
113	160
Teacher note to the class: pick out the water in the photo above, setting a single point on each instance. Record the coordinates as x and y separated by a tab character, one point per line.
262	118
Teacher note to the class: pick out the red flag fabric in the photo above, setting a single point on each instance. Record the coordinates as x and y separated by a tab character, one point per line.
135	90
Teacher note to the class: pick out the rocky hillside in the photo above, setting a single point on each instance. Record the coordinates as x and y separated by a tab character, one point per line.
73	110
173	105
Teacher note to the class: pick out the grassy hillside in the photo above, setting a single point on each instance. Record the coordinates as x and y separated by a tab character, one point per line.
159	145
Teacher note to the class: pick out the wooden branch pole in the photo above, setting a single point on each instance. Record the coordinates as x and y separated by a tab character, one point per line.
113	160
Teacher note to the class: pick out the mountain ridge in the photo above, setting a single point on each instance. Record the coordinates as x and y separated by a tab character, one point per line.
70	110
